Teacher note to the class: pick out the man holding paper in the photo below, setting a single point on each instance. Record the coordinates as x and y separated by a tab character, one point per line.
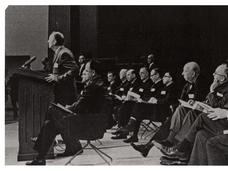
149	91
217	98
205	143
137	88
158	106
193	90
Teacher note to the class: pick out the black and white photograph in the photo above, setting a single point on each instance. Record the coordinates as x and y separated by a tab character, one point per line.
115	84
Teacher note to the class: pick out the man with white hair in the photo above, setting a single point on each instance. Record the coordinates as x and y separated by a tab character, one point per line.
216	98
193	90
124	85
126	107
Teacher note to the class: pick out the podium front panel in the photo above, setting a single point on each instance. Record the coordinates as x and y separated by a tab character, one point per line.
34	98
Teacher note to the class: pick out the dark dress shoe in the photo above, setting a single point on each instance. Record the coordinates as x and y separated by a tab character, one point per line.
167	158
143	149
37	162
173	153
119	136
166	161
131	139
67	154
118	131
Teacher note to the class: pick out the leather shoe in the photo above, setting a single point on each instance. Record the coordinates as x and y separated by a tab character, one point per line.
173	153
119	136
166	161
37	162
143	149
118	131
67	154
131	139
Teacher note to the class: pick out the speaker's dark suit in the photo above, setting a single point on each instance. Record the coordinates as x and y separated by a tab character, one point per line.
64	88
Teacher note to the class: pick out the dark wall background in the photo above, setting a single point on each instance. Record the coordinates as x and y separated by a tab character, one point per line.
176	34
126	34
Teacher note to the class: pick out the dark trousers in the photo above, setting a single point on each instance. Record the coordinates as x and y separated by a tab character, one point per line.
202	129
55	124
187	122
154	112
217	150
124	112
177	118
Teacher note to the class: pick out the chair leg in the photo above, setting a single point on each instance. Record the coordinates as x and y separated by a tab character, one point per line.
99	142
157	128
98	152
146	128
101	152
76	154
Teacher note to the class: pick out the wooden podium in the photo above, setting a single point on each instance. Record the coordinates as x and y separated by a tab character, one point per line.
34	97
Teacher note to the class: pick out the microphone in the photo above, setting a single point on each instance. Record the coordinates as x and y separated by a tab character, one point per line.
28	62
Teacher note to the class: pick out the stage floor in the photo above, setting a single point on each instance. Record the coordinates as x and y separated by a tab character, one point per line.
122	153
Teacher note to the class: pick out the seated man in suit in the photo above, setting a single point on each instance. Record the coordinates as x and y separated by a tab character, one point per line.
215	98
218	97
149	90
157	108
126	107
191	91
216	147
120	93
151	62
90	101
82	62
124	86
199	143
113	84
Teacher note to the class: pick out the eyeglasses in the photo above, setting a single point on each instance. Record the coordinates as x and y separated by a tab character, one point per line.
168	76
151	75
219	74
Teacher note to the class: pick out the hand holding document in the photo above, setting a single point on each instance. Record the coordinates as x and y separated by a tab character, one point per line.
132	96
197	106
118	97
153	100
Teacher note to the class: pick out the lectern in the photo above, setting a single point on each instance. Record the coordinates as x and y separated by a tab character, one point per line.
34	97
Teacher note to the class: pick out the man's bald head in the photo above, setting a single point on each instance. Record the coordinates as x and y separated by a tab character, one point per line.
55	39
191	71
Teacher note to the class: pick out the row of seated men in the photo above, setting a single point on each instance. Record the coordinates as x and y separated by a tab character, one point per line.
185	124
135	100
156	95
195	137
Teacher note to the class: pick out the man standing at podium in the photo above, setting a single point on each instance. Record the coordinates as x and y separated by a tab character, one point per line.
63	69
